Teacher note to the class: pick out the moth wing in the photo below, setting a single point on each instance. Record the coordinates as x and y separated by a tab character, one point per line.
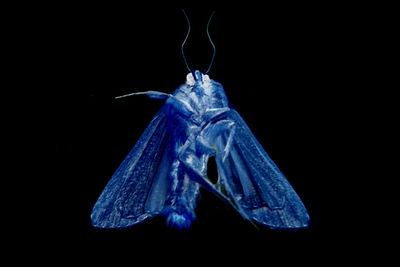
139	187
253	182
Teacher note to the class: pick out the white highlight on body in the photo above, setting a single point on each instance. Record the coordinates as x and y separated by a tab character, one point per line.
189	79
206	82
206	79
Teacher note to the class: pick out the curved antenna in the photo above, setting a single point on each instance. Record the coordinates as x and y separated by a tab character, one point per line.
184	41
209	38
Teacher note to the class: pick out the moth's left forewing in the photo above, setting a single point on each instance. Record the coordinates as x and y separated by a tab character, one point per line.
138	188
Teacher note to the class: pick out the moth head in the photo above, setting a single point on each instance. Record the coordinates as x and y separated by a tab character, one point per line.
194	77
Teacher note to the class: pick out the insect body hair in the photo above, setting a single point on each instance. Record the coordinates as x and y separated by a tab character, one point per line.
178	221
180	216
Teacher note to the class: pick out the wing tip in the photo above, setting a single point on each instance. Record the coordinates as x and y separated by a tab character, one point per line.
294	226
279	219
109	225
121	223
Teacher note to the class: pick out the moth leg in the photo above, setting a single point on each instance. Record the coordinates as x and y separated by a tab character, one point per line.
189	158
196	167
213	131
229	141
212	113
193	161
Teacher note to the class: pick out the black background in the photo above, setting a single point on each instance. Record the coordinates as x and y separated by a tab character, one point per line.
290	71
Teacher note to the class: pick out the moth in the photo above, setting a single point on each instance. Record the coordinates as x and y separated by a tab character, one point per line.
164	171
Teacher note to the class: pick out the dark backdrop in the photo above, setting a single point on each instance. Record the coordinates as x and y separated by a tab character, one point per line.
285	69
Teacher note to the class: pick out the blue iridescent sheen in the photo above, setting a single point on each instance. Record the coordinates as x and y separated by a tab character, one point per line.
164	171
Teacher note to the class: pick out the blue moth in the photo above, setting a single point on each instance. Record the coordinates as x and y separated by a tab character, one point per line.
164	171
